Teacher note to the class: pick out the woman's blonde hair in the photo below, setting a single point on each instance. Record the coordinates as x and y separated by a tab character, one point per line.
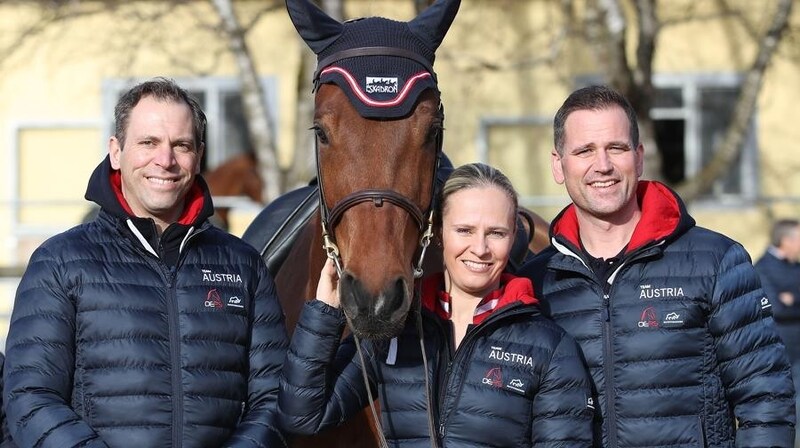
473	175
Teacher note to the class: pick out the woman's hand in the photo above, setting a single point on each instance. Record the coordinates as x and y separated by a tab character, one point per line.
328	286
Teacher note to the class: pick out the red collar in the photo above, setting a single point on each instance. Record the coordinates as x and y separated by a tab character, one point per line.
192	207
661	215
512	290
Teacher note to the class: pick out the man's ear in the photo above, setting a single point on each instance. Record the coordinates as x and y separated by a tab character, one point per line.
556	168
639	160
114	152
200	153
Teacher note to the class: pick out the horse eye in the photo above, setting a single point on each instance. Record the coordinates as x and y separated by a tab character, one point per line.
434	132
320	134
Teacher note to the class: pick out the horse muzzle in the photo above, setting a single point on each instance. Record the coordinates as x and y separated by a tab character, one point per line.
375	316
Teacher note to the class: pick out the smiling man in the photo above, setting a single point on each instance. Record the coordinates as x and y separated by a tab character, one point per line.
146	326
671	318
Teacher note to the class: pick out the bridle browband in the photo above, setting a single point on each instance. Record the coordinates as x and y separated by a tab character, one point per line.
329	219
377	197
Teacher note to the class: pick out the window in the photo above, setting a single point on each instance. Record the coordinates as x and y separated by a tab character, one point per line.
691	114
221	101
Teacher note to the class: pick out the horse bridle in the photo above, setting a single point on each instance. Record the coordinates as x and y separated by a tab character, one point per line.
330	217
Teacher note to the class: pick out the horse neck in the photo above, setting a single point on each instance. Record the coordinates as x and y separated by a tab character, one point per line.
299	275
237	176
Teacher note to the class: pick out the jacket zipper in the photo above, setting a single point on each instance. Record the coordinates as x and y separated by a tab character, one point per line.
608	339
441	379
175	360
170	274
608	369
608	343
174	344
452	360
173	312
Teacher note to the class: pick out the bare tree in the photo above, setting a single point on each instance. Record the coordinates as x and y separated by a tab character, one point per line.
259	123
606	29
50	13
731	144
304	163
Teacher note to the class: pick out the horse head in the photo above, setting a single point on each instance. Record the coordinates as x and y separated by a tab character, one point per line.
378	124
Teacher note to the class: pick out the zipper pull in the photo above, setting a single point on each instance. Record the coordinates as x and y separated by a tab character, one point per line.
441	430
606	313
171	276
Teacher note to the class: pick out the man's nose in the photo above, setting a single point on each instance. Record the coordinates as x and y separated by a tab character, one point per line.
602	162
164	155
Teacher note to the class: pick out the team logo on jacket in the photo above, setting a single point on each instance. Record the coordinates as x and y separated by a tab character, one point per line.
213	300
500	354
517	385
494	377
648	292
219	277
673	318
649	318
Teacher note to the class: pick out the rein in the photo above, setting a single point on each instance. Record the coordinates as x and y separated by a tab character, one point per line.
330	217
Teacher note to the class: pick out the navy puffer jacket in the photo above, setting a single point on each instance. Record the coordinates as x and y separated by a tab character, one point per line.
680	341
516	380
111	347
780	276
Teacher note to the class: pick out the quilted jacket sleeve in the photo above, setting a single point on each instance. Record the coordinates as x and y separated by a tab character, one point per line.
40	361
321	384
753	365
775	280
562	415
268	342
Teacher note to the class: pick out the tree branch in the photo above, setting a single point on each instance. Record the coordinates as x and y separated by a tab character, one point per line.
732	143
260	124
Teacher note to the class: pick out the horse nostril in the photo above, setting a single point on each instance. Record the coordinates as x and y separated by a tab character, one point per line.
354	299
392	300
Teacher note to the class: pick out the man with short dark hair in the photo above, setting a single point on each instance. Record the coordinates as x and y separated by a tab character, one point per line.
147	326
780	274
671	318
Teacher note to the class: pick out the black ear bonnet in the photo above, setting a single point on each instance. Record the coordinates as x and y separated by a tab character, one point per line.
382	65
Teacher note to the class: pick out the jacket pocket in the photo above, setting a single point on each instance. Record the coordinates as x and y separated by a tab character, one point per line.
702	432
80	402
242	407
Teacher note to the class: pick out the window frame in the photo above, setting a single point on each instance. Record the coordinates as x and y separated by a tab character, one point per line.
691	85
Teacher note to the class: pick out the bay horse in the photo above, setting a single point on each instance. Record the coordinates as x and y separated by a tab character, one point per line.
237	176
379	123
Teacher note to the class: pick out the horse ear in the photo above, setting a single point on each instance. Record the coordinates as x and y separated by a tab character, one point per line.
434	22
317	29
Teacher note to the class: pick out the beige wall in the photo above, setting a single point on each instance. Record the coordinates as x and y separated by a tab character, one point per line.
52	87
495	62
